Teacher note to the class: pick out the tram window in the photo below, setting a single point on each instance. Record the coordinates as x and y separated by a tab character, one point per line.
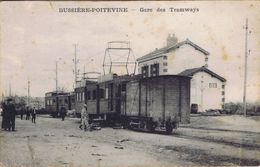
83	96
89	95
102	93
124	87
106	93
94	96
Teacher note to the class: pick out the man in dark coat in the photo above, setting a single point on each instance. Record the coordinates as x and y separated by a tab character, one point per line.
27	113
63	113
33	115
12	112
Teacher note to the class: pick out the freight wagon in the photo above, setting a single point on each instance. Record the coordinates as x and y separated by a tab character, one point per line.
155	103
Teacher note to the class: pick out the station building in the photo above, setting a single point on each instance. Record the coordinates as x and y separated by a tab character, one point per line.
188	59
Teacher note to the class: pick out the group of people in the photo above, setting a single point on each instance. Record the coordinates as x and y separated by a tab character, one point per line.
29	112
9	113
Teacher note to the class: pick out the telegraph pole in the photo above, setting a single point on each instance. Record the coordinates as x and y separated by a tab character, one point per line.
76	61
245	75
28	95
56	79
10	89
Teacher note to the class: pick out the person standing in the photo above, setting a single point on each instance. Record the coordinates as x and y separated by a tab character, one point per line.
33	115
12	114
63	113
27	113
22	111
84	118
5	122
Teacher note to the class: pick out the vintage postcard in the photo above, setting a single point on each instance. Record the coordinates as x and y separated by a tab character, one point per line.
136	83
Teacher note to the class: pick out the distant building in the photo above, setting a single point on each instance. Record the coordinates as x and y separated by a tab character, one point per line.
184	58
172	59
207	88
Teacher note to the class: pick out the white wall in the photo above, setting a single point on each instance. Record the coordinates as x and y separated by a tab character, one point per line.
185	57
208	98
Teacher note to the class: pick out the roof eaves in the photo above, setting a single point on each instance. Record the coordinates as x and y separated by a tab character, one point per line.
187	41
153	54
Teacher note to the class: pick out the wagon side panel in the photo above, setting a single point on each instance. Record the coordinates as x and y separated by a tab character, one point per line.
172	97
132	98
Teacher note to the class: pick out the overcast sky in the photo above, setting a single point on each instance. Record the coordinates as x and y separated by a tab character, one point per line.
34	35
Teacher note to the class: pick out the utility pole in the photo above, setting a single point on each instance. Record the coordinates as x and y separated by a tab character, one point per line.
76	61
245	75
56	79
10	89
28	95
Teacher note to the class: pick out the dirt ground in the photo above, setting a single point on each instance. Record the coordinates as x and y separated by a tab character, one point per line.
207	141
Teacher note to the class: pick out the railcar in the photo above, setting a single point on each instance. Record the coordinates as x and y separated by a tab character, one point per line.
154	103
54	101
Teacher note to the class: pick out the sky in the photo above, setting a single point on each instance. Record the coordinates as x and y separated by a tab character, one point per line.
34	35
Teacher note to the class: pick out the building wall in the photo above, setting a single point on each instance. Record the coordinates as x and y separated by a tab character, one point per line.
185	57
176	61
207	91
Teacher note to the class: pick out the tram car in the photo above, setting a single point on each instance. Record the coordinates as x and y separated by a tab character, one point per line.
154	103
54	101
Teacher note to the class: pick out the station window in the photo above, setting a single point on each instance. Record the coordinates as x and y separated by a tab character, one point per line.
223	100
165	64
223	86
145	71
165	70
154	69
94	95
53	101
164	57
223	93
212	85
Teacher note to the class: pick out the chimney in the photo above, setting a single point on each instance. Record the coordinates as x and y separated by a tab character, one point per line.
171	40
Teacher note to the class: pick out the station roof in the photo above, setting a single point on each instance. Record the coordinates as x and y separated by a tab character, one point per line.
192	71
167	49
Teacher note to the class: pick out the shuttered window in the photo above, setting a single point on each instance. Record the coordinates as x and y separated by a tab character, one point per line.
145	71
154	70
